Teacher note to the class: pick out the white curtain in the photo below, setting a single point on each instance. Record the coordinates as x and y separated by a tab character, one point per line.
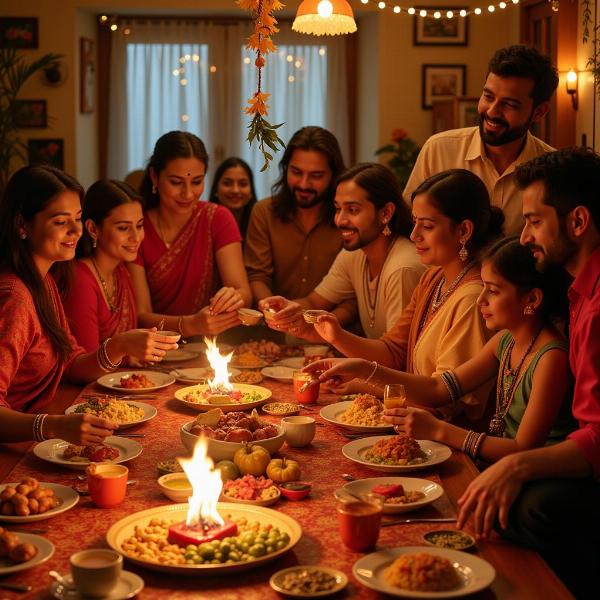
148	99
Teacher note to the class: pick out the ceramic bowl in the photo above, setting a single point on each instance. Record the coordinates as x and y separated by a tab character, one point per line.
175	494
249	316
450	538
292	494
220	450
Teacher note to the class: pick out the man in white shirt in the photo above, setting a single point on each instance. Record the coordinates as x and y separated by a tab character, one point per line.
516	93
378	265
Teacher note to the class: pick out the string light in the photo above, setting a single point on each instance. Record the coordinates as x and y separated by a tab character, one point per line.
449	14
397	9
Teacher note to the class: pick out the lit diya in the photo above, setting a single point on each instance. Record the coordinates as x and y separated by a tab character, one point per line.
203	522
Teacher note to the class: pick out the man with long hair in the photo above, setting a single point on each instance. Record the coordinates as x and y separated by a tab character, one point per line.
291	239
516	94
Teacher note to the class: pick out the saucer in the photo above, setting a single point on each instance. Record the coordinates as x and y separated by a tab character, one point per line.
128	586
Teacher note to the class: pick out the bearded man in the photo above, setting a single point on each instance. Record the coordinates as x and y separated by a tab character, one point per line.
517	91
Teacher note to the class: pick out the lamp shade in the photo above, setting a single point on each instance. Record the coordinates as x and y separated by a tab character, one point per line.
324	17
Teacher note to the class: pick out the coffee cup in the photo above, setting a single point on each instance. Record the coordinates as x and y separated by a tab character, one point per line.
299	431
107	484
96	571
170	334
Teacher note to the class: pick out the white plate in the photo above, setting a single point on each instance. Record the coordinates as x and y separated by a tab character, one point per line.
128	586
277	579
179	355
432	491
332	413
265	394
52	451
436	453
293	362
279	373
149	412
198	374
476	574
45	551
67	498
113	381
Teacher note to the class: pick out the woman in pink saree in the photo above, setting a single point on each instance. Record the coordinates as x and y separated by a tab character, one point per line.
190	265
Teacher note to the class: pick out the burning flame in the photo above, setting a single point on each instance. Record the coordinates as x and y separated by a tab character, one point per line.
219	364
206	487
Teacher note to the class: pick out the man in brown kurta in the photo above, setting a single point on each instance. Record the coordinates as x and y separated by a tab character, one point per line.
292	240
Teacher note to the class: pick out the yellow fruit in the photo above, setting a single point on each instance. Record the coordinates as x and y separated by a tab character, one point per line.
252	459
283	469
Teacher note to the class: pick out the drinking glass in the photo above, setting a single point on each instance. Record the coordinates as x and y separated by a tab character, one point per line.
394	396
359	521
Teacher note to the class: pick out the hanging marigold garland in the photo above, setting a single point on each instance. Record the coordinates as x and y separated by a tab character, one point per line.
265	25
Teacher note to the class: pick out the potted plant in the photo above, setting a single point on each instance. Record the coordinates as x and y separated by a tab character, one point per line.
14	72
404	153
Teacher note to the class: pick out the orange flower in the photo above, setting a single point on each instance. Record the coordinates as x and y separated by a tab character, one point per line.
257	104
398	135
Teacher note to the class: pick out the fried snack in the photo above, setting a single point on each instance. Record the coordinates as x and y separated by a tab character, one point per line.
422	572
26	498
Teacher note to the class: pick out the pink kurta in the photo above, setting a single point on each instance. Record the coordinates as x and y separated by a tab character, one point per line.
90	318
182	278
30	367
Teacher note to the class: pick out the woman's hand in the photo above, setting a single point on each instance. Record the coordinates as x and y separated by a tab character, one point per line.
336	371
354	386
328	327
414	422
204	322
147	345
226	300
81	429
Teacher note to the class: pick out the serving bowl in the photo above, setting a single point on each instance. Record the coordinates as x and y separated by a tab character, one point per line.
220	450
249	316
177	494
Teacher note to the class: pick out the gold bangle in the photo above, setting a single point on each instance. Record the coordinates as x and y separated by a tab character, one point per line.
375	366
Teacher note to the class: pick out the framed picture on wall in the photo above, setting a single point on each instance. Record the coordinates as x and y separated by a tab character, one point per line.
47	152
87	76
18	32
429	31
30	114
442	82
467	113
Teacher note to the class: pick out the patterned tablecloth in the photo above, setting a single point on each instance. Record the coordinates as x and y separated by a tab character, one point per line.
322	462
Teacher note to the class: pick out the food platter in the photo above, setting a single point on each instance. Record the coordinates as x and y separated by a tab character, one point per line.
67	498
245	388
45	549
266	502
149	412
52	451
179	355
279	373
112	381
475	573
332	414
435	453
197	374
432	491
124	529
277	579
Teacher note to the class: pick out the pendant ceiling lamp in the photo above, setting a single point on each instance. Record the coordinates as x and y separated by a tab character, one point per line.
324	17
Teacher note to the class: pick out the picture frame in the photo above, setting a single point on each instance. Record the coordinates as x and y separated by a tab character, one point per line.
30	114
87	75
442	82
429	31
467	113
19	32
47	151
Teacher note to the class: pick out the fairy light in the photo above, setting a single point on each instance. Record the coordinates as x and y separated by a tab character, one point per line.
103	19
477	11
381	5
114	27
365	1
247	60
491	8
397	9
298	64
411	11
212	69
423	13
289	58
449	14
502	5
321	51
291	79
463	13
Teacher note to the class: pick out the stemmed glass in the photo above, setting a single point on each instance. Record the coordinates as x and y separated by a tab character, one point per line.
394	396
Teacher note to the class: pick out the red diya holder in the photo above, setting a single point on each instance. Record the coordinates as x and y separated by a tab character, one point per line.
182	534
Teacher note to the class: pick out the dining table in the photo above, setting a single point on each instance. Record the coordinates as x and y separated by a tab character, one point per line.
521	574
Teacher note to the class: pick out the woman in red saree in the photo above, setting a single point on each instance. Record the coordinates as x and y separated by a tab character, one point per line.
100	302
40	224
190	263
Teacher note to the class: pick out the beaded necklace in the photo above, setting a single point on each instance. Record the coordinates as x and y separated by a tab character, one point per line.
506	385
109	298
372	303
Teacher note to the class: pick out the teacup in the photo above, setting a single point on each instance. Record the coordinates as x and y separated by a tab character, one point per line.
299	431
96	571
107	484
173	335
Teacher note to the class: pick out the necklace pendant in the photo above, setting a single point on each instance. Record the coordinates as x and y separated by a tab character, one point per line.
371	323
497	426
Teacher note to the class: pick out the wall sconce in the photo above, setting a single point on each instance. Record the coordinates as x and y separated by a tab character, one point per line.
572	86
324	17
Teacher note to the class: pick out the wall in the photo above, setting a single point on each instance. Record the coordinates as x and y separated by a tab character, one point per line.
396	98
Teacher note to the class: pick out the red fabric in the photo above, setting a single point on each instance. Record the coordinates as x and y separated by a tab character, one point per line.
30	368
183	277
90	318
584	356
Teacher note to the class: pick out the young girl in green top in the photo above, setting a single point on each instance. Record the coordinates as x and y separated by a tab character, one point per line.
528	356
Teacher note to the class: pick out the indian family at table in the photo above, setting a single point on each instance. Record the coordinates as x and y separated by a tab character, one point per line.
451	302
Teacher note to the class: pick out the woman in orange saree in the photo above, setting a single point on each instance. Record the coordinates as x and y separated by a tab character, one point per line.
190	265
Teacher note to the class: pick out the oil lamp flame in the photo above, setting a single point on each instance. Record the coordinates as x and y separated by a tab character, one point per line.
206	487
219	364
